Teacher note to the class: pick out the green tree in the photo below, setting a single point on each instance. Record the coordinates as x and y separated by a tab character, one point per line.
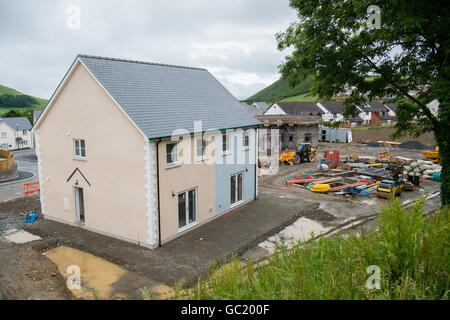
336	41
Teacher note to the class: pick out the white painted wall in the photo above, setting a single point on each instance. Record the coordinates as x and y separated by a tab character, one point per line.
366	116
390	112
274	109
8	137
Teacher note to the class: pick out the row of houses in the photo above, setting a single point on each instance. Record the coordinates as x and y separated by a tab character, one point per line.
373	112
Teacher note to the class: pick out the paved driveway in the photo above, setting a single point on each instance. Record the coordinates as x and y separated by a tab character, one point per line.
25	162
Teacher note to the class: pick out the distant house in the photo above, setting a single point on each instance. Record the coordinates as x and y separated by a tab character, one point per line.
261	107
297	122
381	113
332	110
295	108
15	133
392	109
354	121
256	109
143	152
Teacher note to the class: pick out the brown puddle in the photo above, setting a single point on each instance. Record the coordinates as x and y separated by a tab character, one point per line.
97	275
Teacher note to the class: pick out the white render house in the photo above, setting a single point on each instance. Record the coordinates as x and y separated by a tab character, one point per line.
15	133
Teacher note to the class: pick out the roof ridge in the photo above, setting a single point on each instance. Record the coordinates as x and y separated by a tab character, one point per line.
138	61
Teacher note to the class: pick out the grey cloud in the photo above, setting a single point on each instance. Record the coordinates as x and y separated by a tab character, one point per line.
235	39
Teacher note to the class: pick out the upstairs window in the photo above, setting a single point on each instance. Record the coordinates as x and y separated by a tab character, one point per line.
245	140
3	135
80	148
201	148
225	143
172	153
24	132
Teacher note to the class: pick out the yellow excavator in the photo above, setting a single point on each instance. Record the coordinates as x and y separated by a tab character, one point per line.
304	153
432	156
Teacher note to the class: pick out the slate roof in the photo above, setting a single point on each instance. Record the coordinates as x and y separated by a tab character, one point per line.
377	106
333	106
386	117
161	98
392	106
36	115
19	123
262	106
300	108
356	119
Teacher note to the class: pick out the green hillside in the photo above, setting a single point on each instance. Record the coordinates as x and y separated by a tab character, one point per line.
10	97
280	90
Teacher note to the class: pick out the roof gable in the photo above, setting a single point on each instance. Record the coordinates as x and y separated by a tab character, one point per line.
300	108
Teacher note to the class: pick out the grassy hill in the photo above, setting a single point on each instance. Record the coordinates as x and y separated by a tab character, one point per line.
280	90
41	103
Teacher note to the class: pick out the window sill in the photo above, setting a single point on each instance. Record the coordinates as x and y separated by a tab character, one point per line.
236	204
187	227
226	153
245	148
201	159
173	165
79	159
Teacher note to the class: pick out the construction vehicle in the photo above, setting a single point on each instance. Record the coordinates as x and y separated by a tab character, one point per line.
388	188
432	156
304	153
385	155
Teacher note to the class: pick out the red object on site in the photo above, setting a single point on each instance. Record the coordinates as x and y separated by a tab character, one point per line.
333	155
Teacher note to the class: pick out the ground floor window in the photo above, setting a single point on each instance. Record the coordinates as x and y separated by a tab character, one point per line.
187	208
308	137
5	146
236	188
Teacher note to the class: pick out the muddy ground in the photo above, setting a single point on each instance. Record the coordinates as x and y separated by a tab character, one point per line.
25	273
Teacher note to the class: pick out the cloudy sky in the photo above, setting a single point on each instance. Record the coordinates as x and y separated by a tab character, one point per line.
233	39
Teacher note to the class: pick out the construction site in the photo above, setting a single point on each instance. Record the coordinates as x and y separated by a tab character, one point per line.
335	188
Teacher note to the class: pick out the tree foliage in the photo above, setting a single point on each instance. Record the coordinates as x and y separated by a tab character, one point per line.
409	54
19	101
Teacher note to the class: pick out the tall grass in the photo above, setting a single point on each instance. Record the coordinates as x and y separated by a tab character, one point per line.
411	251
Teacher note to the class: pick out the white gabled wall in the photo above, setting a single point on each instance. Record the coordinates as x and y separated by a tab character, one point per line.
274	110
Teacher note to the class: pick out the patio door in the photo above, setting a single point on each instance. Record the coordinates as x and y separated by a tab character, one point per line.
79	204
187	209
236	189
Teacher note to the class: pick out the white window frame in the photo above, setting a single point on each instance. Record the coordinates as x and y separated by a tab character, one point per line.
175	162
4	136
76	155
204	145
192	224
239	202
245	140
226	141
4	146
